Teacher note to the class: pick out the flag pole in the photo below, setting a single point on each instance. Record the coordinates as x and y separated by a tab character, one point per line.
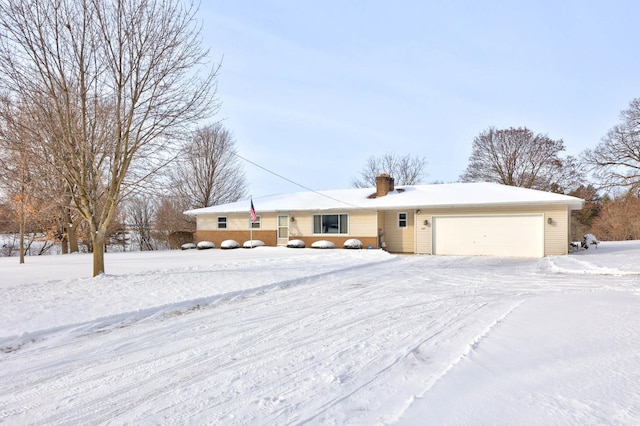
253	218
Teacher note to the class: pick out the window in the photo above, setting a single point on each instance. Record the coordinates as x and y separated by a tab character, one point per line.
402	220
330	223
222	222
256	224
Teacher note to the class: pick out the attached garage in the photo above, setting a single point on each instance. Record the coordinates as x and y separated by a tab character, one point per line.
517	235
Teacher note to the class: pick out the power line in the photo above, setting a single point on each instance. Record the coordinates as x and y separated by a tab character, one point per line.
291	181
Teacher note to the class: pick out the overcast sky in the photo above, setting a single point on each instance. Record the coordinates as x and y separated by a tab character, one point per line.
311	90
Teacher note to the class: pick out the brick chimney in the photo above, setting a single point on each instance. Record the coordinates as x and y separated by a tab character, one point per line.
384	184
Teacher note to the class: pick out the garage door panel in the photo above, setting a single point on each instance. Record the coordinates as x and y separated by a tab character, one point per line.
489	235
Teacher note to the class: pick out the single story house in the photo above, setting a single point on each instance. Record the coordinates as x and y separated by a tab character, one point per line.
481	219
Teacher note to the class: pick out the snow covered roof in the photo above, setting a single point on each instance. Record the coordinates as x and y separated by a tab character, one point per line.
405	197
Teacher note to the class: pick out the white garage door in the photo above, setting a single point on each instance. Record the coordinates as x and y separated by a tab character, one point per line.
499	235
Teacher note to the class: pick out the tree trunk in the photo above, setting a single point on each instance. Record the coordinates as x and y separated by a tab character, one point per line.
21	242
97	240
72	234
70	225
64	245
64	242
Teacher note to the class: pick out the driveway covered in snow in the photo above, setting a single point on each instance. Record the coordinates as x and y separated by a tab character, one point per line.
294	336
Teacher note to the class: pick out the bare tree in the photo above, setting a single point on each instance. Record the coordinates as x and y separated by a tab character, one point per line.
140	213
170	217
19	172
615	161
18	150
406	170
518	157
170	220
111	86
208	172
582	220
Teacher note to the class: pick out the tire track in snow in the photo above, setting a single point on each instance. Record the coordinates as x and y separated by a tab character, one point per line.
572	265
132	367
473	345
61	381
385	369
311	349
104	324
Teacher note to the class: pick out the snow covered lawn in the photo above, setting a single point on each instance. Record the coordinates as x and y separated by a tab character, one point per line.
284	336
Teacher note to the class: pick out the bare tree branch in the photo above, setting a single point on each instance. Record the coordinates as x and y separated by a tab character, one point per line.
518	157
615	161
406	170
209	172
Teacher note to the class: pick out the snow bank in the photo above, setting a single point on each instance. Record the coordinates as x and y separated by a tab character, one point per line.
544	367
277	336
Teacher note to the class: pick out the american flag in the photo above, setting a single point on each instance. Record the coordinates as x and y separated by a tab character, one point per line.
254	217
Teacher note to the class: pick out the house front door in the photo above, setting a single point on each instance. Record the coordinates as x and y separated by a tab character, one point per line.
283	230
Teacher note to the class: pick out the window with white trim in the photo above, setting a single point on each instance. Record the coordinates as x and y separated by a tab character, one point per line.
330	223
402	220
222	222
256	224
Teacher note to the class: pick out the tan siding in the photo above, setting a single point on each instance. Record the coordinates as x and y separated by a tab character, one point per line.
209	222
238	222
301	226
270	220
235	221
363	223
423	233
206	222
556	238
399	240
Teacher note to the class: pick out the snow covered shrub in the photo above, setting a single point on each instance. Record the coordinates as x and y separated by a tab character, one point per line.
204	245
352	244
295	244
322	244
253	243
229	244
188	246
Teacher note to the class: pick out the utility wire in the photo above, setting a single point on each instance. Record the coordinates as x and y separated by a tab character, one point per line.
290	181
